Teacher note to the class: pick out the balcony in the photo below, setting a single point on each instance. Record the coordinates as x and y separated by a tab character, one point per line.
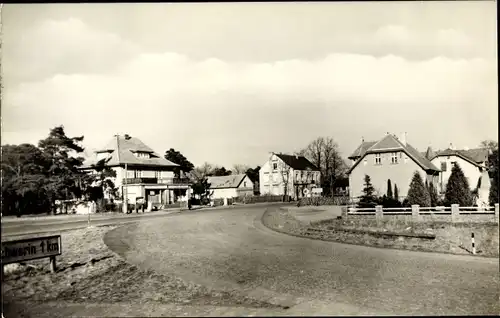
156	181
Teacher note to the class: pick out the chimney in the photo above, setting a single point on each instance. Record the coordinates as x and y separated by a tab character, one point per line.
127	136
403	138
362	139
451	146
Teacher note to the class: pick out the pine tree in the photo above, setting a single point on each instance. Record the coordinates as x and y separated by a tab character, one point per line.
494	175
389	189
418	194
433	195
396	192
457	188
427	194
368	199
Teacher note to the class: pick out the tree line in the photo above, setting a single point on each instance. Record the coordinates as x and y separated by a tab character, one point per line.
35	177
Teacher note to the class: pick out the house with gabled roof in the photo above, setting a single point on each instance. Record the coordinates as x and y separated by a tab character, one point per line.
140	172
291	175
473	163
230	186
390	158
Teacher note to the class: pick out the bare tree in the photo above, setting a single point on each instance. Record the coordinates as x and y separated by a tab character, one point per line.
203	171
240	168
489	144
324	153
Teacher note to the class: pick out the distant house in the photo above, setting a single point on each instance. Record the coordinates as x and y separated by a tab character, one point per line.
294	175
230	186
388	158
473	163
140	172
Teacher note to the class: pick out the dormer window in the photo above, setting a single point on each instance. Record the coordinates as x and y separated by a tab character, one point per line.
142	155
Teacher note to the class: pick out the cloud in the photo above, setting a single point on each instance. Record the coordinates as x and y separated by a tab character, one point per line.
172	99
63	47
225	111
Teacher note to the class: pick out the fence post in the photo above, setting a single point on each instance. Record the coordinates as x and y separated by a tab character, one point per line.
496	211
455	213
415	212
344	211
379	213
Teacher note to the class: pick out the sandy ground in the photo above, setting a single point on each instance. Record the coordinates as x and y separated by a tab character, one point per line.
89	274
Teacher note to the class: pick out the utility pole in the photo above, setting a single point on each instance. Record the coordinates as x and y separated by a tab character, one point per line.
124	185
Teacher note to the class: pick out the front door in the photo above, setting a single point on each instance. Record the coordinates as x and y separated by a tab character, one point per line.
154	196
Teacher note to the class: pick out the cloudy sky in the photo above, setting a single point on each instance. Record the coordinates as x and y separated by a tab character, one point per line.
229	82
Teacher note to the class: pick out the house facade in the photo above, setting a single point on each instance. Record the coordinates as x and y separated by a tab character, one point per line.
288	174
473	163
226	187
140	172
390	158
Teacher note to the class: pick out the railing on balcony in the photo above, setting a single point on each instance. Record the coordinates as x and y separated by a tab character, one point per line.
174	180
156	181
140	180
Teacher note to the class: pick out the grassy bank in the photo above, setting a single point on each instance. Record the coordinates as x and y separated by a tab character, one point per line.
449	237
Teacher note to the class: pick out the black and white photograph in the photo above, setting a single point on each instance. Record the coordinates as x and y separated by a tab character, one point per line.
192	159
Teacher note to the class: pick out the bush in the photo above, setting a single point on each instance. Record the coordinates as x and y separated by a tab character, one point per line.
258	199
388	202
336	200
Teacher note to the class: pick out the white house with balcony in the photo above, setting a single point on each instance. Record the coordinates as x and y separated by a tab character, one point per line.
288	175
141	172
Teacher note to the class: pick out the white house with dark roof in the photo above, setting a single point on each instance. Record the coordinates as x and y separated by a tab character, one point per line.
388	158
295	173
230	186
141	172
473	163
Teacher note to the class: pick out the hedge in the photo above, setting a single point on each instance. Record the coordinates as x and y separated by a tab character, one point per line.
336	200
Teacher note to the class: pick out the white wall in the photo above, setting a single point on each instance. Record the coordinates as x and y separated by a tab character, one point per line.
273	181
399	174
471	171
224	193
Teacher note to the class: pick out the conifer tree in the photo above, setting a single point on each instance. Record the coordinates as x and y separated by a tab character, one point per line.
389	189
417	194
457	188
368	198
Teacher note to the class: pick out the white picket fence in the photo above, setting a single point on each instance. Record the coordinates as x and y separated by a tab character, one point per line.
456	212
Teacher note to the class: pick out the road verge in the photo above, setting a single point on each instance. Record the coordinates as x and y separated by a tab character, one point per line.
428	237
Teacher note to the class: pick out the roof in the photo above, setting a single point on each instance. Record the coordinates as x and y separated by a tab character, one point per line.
297	162
122	149
475	156
222	182
392	143
360	151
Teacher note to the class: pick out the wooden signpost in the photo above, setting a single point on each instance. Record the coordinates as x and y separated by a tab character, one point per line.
30	249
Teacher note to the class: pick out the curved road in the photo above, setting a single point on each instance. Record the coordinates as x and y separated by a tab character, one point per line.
231	249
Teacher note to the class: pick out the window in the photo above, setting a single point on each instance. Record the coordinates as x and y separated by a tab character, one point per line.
275	166
137	173
244	183
443	165
365	162
378	159
157	174
453	163
394	157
